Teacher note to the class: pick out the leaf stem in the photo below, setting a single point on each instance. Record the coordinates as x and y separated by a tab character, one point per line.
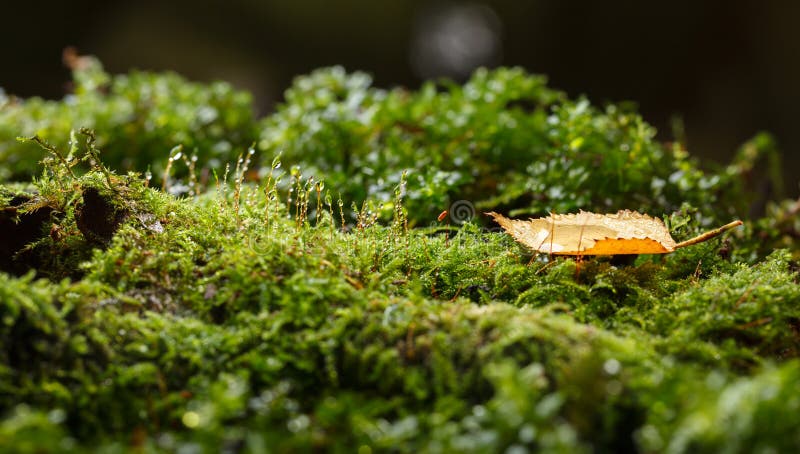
708	235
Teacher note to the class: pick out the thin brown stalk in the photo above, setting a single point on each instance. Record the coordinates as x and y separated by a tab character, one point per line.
708	235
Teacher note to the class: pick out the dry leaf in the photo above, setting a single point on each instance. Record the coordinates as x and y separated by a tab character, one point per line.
585	233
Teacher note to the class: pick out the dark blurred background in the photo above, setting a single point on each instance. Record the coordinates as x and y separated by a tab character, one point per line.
727	69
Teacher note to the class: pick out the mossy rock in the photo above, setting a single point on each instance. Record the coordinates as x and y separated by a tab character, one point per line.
256	313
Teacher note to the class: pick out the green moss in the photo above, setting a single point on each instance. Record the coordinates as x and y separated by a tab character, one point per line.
757	413
503	140
139	117
258	315
751	313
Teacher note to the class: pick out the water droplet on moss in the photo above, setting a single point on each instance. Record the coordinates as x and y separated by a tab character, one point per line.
527	433
191	419
299	423
57	416
612	366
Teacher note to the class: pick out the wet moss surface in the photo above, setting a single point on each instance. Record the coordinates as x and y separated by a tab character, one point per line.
307	298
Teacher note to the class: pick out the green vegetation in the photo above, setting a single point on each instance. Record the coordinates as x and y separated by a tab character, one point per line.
314	302
139	116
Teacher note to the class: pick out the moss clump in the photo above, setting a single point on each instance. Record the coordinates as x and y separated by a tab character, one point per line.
502	141
262	315
140	115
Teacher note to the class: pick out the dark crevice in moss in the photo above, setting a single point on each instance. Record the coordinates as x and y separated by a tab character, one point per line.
97	217
18	230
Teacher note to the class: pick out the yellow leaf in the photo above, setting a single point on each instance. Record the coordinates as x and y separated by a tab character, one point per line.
585	233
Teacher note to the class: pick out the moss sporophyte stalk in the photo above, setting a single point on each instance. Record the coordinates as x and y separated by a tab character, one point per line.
233	300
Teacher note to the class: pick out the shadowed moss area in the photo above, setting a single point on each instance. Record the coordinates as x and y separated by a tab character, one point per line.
251	308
